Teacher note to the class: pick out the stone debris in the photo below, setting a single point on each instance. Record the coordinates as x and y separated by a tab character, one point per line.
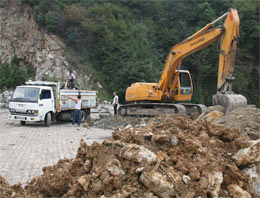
253	172
136	153
5	97
159	184
168	156
111	122
237	191
247	120
249	155
210	116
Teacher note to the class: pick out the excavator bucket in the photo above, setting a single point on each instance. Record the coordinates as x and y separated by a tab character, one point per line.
229	101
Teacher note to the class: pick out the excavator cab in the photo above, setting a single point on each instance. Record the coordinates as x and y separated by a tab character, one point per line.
183	87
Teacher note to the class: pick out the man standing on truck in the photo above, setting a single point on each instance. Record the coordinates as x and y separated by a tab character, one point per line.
71	79
115	103
77	110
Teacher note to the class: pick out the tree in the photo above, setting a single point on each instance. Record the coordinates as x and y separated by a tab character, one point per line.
128	41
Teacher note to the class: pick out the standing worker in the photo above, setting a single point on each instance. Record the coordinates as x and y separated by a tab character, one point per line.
71	79
115	103
77	110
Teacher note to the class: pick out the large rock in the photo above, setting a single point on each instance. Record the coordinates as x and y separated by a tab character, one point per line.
236	191
136	153
159	184
210	116
115	169
249	155
216	108
5	97
215	180
253	173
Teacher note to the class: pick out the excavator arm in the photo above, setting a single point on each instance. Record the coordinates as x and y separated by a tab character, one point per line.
229	33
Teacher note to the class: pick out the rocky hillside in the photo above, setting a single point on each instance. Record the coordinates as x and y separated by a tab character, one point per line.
20	36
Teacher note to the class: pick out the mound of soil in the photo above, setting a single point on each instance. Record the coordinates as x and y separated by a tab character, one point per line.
247	120
14	191
169	156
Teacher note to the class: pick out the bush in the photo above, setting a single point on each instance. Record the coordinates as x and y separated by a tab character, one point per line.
53	21
13	74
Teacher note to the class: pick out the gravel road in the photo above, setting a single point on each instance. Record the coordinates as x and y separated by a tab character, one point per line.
25	150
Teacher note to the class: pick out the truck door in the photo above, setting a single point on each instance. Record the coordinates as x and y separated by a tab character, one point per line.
46	103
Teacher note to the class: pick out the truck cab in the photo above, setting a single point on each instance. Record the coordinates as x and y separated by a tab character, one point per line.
32	103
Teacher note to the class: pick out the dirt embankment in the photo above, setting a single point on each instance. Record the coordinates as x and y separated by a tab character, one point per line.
169	156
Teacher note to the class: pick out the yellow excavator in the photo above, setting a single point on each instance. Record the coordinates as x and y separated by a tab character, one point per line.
175	88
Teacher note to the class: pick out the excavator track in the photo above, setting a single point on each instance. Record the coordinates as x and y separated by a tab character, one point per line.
153	109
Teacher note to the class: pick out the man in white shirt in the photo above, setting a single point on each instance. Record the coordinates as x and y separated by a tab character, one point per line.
77	110
115	103
71	78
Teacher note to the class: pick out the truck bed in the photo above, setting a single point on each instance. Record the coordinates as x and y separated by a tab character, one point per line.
89	99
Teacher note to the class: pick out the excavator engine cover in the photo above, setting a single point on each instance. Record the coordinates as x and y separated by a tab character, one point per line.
229	101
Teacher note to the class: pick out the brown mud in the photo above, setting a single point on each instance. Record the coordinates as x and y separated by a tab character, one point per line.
166	156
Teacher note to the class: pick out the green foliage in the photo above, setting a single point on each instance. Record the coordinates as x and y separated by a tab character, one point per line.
249	12
128	40
53	21
51	78
253	88
13	74
102	94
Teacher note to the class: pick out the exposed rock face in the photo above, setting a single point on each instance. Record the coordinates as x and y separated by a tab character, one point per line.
20	36
4	98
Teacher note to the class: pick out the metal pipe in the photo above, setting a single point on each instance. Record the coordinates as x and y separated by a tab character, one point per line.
219	18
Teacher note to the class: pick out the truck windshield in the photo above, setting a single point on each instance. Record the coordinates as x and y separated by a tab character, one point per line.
26	94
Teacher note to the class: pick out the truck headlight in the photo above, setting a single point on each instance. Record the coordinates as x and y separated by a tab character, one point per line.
12	110
33	112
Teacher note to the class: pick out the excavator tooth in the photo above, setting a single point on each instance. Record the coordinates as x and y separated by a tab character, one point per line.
229	101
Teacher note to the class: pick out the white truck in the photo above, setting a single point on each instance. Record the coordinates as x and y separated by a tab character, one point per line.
41	101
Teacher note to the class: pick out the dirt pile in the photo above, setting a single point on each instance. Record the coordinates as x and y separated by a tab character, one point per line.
14	191
247	120
170	156
111	122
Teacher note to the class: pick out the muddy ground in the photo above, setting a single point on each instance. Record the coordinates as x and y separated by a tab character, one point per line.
165	156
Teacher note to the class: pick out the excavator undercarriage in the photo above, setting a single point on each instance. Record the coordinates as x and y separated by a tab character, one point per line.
153	109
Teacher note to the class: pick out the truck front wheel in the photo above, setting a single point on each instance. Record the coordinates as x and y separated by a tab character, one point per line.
47	120
22	123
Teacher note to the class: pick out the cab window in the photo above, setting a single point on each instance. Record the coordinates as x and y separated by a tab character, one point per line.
46	94
185	80
185	83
